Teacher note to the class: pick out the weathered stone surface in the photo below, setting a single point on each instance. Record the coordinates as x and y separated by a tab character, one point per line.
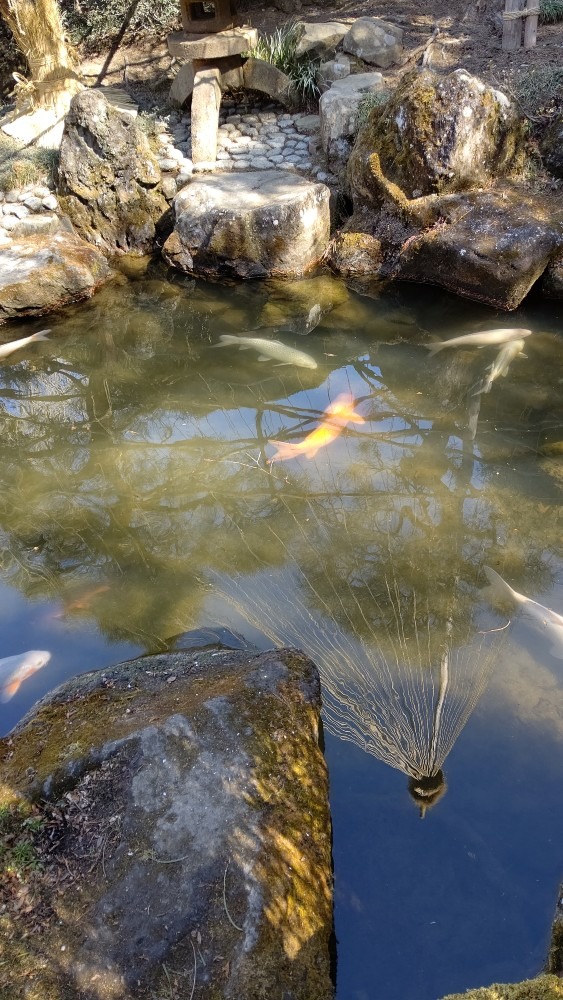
332	70
552	147
555	958
436	134
190	840
338	106
182	84
230	42
542	988
489	246
206	99
109	177
337	111
320	39
377	42
552	282
41	273
262	76
256	224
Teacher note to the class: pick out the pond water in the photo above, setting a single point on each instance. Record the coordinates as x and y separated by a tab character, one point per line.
139	501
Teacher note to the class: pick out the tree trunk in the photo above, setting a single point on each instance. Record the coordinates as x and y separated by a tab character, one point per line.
38	31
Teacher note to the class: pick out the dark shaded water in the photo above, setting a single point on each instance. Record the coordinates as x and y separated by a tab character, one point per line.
137	502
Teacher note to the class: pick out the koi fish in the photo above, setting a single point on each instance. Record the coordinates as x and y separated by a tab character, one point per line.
6	349
335	418
269	350
486	338
83	602
540	617
502	363
14	670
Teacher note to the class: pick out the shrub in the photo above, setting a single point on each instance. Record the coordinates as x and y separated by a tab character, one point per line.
279	48
93	23
539	92
551	11
367	103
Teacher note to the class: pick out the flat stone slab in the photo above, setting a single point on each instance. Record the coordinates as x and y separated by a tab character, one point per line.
40	273
231	42
254	224
186	833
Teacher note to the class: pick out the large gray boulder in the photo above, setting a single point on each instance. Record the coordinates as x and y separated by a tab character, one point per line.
377	42
39	274
249	225
109	177
183	832
338	107
320	39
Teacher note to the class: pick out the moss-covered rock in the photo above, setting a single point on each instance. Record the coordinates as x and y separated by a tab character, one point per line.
542	988
108	177
552	283
181	833
436	134
552	147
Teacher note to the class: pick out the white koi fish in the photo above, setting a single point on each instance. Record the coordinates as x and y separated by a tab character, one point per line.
269	350
486	338
539	616
6	349
16	669
502	363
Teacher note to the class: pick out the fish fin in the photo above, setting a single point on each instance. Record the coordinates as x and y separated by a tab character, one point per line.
41	335
226	338
435	346
557	650
279	364
9	690
355	418
522	355
285	450
262	357
498	591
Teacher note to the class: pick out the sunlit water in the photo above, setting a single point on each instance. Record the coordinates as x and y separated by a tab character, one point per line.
138	502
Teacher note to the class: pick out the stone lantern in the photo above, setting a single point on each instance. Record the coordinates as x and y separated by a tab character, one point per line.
206	16
211	44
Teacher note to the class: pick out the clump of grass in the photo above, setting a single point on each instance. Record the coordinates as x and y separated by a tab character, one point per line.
280	49
367	103
94	23
551	11
539	92
28	165
18	829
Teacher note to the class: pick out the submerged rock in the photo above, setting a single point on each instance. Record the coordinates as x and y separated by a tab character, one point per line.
552	283
109	177
186	832
41	273
249	225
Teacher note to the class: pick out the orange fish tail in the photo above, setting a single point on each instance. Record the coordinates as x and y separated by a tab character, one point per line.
285	450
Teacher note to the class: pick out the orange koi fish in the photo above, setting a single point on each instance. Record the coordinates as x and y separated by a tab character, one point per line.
335	418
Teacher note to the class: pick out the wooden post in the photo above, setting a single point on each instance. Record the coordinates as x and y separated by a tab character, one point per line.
531	25
512	26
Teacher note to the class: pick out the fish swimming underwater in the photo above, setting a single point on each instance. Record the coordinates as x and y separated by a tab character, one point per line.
16	669
335	418
270	350
540	617
486	338
501	364
6	349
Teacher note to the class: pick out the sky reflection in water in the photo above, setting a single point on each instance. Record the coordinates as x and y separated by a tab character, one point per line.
138	502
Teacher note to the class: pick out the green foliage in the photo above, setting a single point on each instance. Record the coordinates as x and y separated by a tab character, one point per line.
17	849
539	92
93	23
29	165
551	11
279	49
367	103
